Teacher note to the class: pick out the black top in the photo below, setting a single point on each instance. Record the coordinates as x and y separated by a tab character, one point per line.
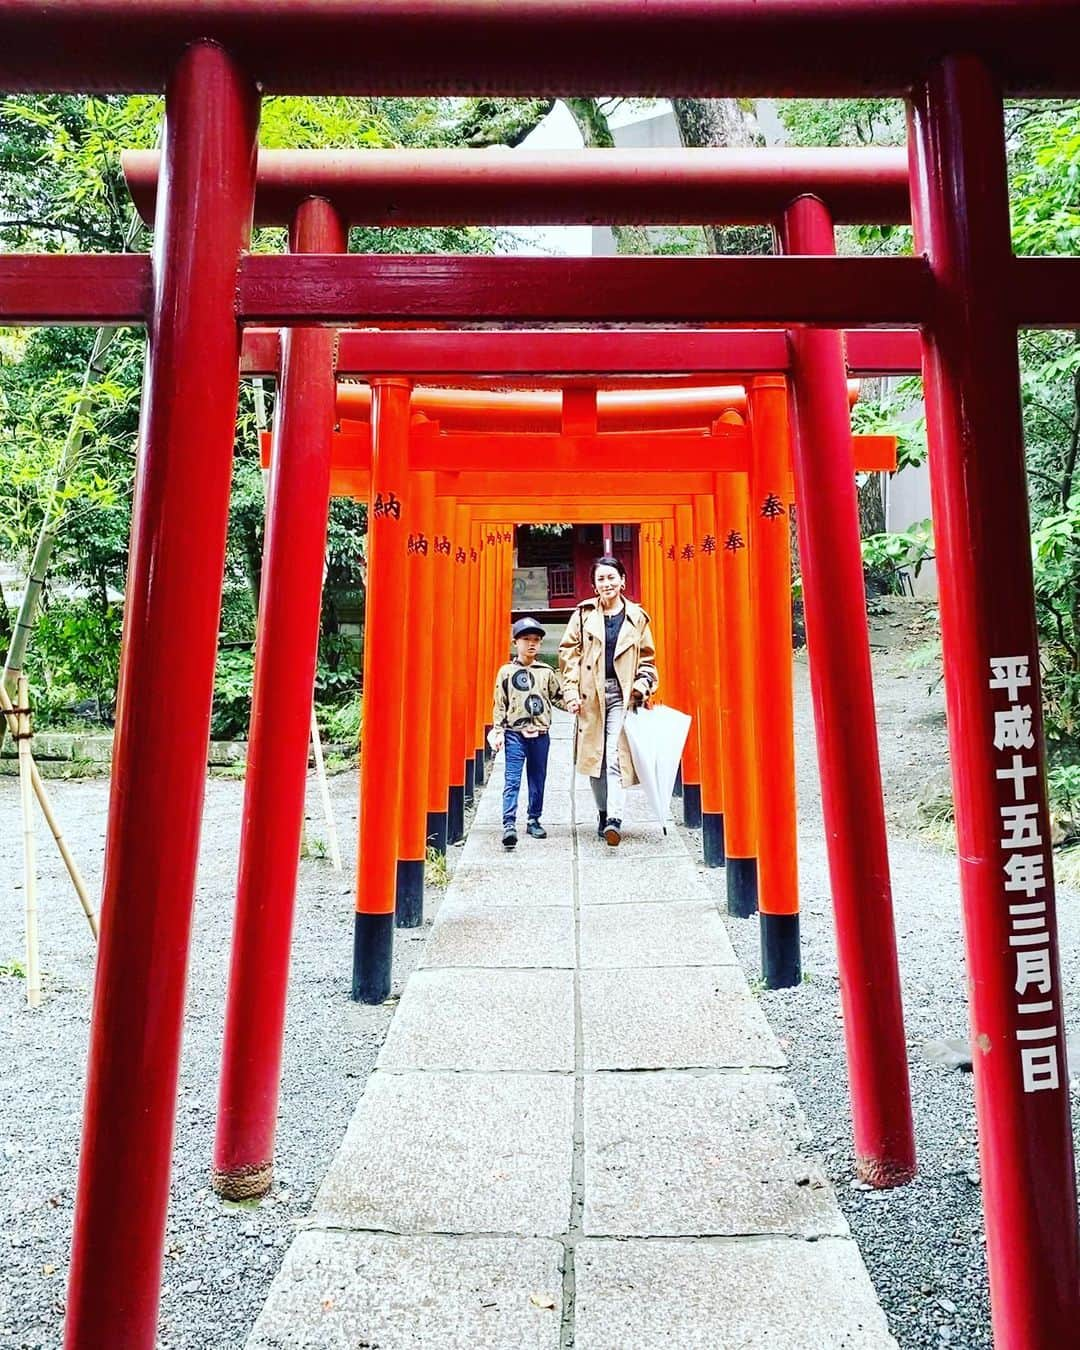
612	624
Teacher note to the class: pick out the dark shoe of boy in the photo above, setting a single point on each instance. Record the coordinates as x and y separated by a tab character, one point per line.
536	830
509	837
613	832
601	823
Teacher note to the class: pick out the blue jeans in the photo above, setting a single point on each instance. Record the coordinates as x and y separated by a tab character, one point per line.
522	751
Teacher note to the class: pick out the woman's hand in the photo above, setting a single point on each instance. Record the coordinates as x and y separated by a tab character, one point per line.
573	706
637	700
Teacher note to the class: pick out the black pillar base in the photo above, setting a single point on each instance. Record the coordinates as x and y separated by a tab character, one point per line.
691	806
781	959
676	791
489	754
470	781
712	838
741	887
373	954
409	899
455	815
480	769
436	832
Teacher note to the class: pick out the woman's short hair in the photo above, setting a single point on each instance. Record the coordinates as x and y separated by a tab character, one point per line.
608	561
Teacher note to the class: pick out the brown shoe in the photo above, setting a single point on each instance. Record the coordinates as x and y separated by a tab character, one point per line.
613	832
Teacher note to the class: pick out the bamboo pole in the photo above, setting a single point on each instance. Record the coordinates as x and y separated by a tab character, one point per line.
324	790
45	803
22	735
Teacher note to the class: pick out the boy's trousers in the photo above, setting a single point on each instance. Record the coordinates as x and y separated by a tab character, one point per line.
522	751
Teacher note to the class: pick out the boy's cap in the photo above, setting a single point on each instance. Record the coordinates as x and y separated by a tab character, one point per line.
526	626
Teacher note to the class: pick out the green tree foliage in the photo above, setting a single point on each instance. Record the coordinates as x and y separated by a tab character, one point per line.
1043	143
62	190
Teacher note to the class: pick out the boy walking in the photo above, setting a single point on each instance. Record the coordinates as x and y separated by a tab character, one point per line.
525	690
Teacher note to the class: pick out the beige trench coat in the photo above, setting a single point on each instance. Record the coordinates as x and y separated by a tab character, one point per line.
581	665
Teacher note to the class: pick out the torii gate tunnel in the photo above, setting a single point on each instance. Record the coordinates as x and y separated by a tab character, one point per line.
770	326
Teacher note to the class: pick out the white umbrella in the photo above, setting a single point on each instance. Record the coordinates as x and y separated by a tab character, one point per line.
657	737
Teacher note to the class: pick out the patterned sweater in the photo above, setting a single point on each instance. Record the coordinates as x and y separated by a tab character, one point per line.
524	696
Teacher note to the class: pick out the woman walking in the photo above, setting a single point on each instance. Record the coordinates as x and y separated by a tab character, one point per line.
607	662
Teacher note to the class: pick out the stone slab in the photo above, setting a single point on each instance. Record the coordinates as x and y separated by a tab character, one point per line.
455	1153
610	876
783	1294
682	933
641	838
689	1017
483	1020
339	1291
468	933
678	1154
511	881
484	847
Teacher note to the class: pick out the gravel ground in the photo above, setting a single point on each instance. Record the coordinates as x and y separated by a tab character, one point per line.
220	1259
923	1243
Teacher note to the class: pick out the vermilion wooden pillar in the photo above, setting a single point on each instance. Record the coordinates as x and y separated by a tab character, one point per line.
390	519
438	702
171	615
419	673
737	656
770	571
456	677
838	645
487	557
991	662
286	655
711	625
474	745
687	600
672	688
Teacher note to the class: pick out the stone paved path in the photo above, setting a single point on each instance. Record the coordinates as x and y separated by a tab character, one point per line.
578	1133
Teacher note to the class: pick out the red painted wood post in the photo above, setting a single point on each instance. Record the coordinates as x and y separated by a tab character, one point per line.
711	626
286	654
439	713
737	656
770	597
420	670
686	598
483	648
459	542
671	688
991	661
171	616
385	651
474	724
841	682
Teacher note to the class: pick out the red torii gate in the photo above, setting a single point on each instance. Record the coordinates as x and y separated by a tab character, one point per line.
952	61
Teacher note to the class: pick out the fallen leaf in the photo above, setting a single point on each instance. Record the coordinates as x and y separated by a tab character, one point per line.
542	1301
48	1270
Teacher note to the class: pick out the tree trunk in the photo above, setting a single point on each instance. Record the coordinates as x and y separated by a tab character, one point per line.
871	506
596	133
722	122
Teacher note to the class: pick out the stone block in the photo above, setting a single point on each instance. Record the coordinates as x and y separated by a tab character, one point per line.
682	1018
339	1291
608	875
682	933
455	1153
474	934
777	1294
511	881
676	1154
483	1020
